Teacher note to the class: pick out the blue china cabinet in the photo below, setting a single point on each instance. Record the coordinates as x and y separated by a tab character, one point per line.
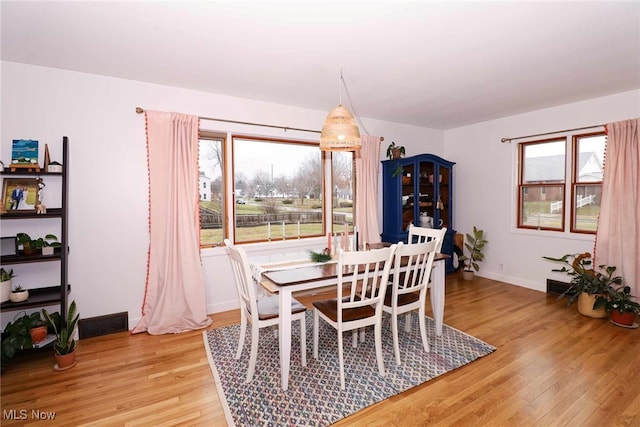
422	194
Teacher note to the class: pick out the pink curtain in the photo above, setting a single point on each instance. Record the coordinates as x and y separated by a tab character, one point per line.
618	235
367	169
174	299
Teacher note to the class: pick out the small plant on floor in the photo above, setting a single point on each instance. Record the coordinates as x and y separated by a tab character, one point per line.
475	245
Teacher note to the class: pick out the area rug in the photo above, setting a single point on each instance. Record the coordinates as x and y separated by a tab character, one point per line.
314	397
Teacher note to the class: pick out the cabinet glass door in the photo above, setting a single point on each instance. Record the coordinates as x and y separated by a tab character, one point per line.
443	202
408	195
427	194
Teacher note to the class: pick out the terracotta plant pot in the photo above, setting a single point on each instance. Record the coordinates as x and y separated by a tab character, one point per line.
65	361
467	274
585	306
38	333
620	318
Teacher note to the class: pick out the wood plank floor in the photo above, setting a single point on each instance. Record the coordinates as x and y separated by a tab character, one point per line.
552	367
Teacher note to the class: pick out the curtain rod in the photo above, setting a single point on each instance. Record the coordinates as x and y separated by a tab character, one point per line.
548	133
140	110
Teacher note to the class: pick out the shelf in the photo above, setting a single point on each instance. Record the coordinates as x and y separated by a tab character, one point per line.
38	297
7	171
25	259
51	213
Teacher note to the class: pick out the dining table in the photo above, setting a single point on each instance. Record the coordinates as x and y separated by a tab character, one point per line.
292	278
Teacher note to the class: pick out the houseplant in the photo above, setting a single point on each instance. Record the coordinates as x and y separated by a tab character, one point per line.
586	283
65	342
5	284
16	336
18	294
395	152
475	245
46	244
617	301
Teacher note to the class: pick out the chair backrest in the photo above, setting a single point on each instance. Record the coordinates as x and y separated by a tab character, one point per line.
417	261
368	283
422	234
243	278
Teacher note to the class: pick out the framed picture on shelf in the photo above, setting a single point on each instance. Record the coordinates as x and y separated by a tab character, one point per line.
9	245
24	152
20	194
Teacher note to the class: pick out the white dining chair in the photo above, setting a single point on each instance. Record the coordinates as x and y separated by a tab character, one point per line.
260	312
422	234
353	308
408	290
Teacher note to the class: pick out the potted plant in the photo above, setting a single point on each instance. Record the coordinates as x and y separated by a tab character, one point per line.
617	301
16	336
5	284
395	152
18	294
475	245
37	328
586	284
65	342
46	245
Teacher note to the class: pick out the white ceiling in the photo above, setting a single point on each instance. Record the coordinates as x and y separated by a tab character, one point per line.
433	64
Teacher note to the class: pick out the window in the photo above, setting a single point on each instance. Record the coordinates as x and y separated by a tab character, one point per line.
210	161
281	184
545	177
587	181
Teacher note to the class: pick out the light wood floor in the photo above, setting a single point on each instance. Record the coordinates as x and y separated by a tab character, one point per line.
552	367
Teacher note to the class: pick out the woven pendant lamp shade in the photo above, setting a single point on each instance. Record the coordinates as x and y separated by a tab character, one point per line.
340	131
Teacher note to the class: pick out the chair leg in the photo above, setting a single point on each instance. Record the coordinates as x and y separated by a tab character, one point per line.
243	331
341	359
378	332
394	331
354	338
303	340
255	334
363	334
423	329
407	322
316	318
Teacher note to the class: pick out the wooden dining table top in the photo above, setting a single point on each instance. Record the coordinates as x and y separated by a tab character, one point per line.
311	273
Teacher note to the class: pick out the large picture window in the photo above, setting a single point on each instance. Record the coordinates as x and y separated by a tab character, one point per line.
278	189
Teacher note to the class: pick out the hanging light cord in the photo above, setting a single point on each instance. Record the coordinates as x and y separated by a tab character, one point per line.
353	108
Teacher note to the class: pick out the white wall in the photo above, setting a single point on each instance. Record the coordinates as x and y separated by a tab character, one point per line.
108	176
485	189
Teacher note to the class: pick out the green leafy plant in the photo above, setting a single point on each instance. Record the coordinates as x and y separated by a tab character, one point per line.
65	341
583	277
475	245
395	152
323	256
5	275
17	288
618	298
16	337
41	242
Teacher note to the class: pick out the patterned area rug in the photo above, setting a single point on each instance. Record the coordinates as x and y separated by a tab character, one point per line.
314	396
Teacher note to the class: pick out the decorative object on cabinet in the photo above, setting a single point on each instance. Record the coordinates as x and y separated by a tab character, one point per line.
5	284
54	167
46	244
20	194
395	152
18	294
24	153
52	294
405	202
586	282
475	245
65	342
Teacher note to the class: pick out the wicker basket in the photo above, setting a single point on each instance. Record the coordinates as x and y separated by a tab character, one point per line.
585	306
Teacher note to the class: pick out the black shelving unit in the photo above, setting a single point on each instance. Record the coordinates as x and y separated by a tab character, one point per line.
46	295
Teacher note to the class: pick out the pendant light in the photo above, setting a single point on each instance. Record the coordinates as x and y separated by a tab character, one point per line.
340	131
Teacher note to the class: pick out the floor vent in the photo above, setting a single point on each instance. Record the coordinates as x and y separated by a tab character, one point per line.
556	287
103	325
